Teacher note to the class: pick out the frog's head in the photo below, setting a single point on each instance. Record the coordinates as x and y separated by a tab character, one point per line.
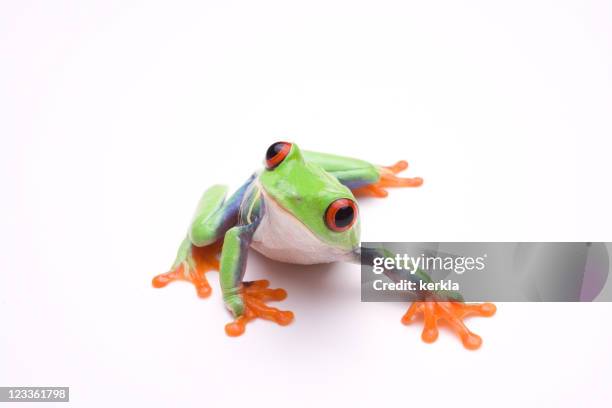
312	196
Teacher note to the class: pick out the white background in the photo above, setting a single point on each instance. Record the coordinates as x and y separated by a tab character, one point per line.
116	115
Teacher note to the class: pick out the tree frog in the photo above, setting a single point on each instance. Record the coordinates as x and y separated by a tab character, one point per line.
300	209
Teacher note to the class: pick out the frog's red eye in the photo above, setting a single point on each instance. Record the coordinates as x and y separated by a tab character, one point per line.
341	215
276	154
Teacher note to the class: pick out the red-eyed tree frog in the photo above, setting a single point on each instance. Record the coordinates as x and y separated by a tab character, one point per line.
299	209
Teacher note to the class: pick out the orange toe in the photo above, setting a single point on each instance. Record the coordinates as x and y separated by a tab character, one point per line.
205	259
453	314
388	179
254	295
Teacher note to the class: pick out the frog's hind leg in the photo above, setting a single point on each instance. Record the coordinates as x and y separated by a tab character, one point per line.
191	266
363	178
199	252
387	178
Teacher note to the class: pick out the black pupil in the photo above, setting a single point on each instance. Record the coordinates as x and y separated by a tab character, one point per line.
344	216
274	150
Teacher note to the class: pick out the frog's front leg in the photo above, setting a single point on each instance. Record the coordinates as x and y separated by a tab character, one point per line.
246	300
434	306
362	177
453	313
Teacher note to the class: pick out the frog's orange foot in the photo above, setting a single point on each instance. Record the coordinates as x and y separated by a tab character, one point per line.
203	259
254	296
451	312
387	179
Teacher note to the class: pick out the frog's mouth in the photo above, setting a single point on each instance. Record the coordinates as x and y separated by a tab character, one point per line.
355	255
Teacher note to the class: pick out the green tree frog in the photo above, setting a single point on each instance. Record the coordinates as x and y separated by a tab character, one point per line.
300	209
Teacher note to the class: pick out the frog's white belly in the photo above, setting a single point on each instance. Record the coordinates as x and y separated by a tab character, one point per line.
282	237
